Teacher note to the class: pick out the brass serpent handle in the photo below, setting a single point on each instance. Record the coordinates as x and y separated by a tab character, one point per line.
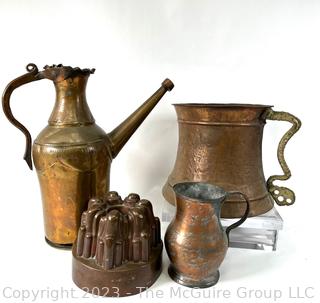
31	75
282	195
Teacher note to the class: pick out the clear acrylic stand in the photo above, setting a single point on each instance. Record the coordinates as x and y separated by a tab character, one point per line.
259	232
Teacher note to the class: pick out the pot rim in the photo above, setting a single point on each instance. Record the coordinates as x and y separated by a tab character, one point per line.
223	105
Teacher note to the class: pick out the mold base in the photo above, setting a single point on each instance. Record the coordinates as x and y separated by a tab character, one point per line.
126	280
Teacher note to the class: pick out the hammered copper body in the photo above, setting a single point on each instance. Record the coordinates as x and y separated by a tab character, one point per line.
72	155
195	240
222	144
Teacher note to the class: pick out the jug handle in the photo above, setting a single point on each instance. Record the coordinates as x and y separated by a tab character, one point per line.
30	76
282	195
245	215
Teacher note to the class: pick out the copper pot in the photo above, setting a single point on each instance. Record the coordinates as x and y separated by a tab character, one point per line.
195	240
222	144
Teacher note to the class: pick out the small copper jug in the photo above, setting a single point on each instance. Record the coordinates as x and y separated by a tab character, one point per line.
222	144
72	154
195	240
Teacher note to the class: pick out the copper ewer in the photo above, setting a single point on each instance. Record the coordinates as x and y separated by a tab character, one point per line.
222	144
195	240
72	155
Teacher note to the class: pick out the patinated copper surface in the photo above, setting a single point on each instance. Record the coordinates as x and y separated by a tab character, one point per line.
195	240
222	144
72	155
118	251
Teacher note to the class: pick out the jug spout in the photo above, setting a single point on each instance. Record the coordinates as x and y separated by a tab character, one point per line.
122	133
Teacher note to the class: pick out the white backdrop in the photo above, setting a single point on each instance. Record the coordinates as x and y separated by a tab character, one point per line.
247	51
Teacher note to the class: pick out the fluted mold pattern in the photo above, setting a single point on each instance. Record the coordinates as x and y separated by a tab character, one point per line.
115	231
118	248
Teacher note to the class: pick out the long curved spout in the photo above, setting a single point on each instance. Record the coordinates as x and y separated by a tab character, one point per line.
121	134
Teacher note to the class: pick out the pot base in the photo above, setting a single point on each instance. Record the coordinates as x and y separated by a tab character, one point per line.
236	209
59	246
188	282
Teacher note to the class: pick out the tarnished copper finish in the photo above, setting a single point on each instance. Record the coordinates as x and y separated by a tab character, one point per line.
72	155
195	240
118	251
222	144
